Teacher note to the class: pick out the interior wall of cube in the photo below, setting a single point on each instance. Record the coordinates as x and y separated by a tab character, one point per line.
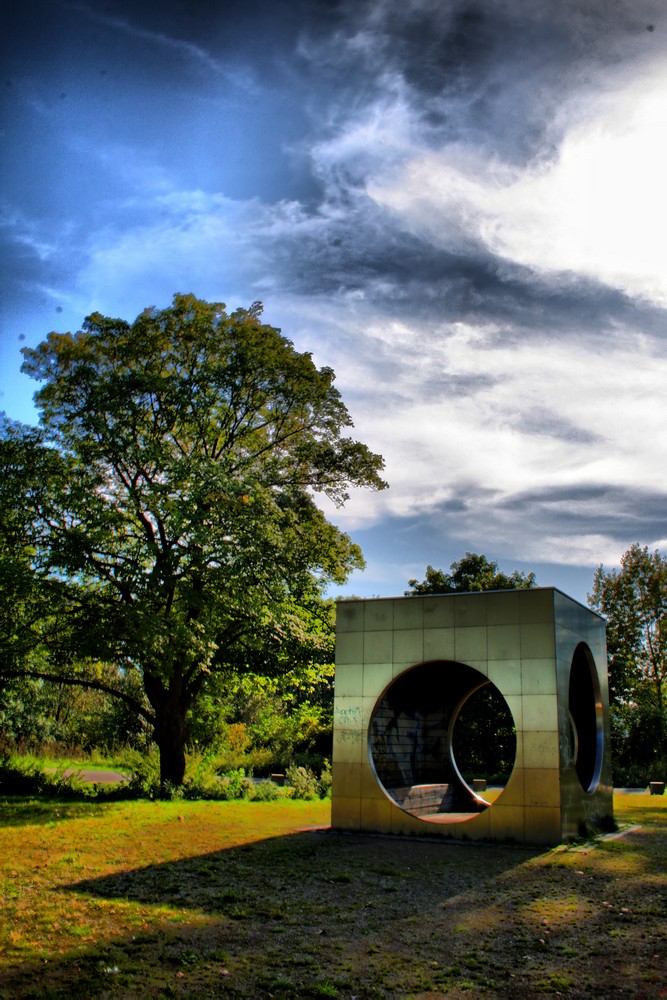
480	716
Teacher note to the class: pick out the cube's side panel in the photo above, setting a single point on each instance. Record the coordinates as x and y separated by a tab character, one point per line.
536	605
350	617
349	716
538	719
586	793
377	814
477	828
470	610
507	822
348	736
378	615
345	812
543	825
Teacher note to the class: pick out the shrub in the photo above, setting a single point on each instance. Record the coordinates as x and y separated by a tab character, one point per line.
144	770
235	785
18	777
251	760
303	782
325	780
638	775
268	791
25	775
201	781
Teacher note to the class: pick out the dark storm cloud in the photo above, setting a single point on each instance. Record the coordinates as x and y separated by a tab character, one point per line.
575	513
367	250
236	97
619	512
490	76
488	72
255	84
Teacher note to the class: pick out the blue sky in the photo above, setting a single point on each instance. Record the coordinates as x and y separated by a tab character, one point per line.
459	207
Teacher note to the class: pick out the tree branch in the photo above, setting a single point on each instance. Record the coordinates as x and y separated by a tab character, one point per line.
90	683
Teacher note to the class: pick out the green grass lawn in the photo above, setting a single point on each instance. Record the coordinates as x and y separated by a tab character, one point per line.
209	899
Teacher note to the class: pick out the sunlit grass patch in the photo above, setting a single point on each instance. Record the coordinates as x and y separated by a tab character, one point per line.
556	911
640	807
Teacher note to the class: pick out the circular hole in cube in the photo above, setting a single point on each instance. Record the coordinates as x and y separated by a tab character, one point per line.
585	708
442	741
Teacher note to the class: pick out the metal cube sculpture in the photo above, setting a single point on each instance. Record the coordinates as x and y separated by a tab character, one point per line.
425	685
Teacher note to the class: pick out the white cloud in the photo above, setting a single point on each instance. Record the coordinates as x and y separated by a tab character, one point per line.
599	208
26	232
593	401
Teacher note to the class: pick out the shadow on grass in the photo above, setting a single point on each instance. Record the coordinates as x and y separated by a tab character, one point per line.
275	917
284	876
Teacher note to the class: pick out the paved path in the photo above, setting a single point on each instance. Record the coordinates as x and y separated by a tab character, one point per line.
91	776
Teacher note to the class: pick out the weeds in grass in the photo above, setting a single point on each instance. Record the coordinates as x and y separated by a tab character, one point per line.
324	988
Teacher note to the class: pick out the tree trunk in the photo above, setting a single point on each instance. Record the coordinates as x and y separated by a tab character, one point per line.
170	737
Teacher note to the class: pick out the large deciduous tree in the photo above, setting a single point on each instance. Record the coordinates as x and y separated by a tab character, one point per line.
472	572
193	444
633	601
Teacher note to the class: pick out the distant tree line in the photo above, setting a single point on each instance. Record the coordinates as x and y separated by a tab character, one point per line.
471	573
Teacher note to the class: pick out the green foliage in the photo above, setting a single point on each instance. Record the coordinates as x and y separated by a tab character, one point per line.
37	714
202	779
144	770
235	785
177	519
26	775
325	780
265	723
303	782
323	988
470	573
27	719
21	777
485	737
33	601
267	791
638	744
633	602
